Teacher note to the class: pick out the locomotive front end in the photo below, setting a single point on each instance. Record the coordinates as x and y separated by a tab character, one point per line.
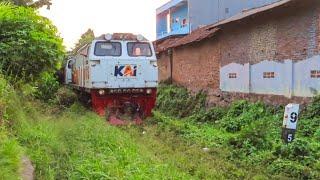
123	76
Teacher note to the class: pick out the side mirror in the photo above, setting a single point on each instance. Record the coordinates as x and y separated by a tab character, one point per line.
71	63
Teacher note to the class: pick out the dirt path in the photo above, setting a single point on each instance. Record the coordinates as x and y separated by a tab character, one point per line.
27	169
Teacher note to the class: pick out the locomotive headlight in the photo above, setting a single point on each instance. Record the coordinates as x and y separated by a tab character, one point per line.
102	92
149	91
140	37
108	37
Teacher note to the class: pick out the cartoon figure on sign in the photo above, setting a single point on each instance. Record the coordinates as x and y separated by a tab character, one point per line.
128	71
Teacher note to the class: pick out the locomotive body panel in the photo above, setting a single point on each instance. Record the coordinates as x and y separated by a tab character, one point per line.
110	72
116	70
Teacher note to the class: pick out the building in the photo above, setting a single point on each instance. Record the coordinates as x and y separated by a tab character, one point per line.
271	50
180	17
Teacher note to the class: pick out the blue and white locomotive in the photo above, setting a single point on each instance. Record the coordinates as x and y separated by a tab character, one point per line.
117	71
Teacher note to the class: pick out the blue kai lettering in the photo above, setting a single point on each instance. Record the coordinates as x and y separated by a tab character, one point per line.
117	71
125	70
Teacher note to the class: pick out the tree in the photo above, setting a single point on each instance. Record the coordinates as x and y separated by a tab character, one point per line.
86	37
30	3
29	44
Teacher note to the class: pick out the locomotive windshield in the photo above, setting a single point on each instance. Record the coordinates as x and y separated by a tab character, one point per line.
107	49
137	49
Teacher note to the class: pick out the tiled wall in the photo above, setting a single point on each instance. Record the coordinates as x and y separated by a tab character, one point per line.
288	78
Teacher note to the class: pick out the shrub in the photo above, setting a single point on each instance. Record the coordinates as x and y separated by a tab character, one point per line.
313	110
290	169
29	43
47	86
213	115
308	127
176	101
242	113
299	149
310	118
65	97
252	138
317	135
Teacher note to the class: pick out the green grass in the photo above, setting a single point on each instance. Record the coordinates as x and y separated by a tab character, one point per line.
250	134
10	156
10	150
77	144
186	155
243	142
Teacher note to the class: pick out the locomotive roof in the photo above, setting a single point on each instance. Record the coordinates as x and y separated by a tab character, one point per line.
122	37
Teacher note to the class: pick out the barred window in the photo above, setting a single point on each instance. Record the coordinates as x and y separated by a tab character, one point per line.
232	75
315	74
268	75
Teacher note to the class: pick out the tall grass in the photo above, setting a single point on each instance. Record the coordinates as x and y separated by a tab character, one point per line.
250	133
80	145
10	150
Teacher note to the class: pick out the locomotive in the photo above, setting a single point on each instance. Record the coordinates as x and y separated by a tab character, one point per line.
118	72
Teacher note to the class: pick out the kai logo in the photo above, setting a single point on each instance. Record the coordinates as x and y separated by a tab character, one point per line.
125	71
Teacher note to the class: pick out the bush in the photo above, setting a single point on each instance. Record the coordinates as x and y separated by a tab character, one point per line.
299	149
290	169
29	43
317	135
308	127
213	115
65	97
176	101
253	133
310	118
242	113
313	110
252	138
47	87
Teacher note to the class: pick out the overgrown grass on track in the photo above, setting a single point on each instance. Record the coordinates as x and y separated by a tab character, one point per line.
80	145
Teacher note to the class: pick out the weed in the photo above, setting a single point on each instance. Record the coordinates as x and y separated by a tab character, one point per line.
177	102
251	133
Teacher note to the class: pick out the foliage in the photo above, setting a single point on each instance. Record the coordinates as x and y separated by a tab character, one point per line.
177	102
10	150
47	87
213	115
65	97
29	43
30	3
317	134
85	38
251	132
252	138
77	144
299	149
291	169
313	109
10	156
242	113
309	122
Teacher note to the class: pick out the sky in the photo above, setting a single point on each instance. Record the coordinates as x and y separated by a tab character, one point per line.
74	17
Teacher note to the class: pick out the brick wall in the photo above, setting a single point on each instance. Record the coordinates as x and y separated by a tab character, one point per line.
196	66
285	33
289	32
164	66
